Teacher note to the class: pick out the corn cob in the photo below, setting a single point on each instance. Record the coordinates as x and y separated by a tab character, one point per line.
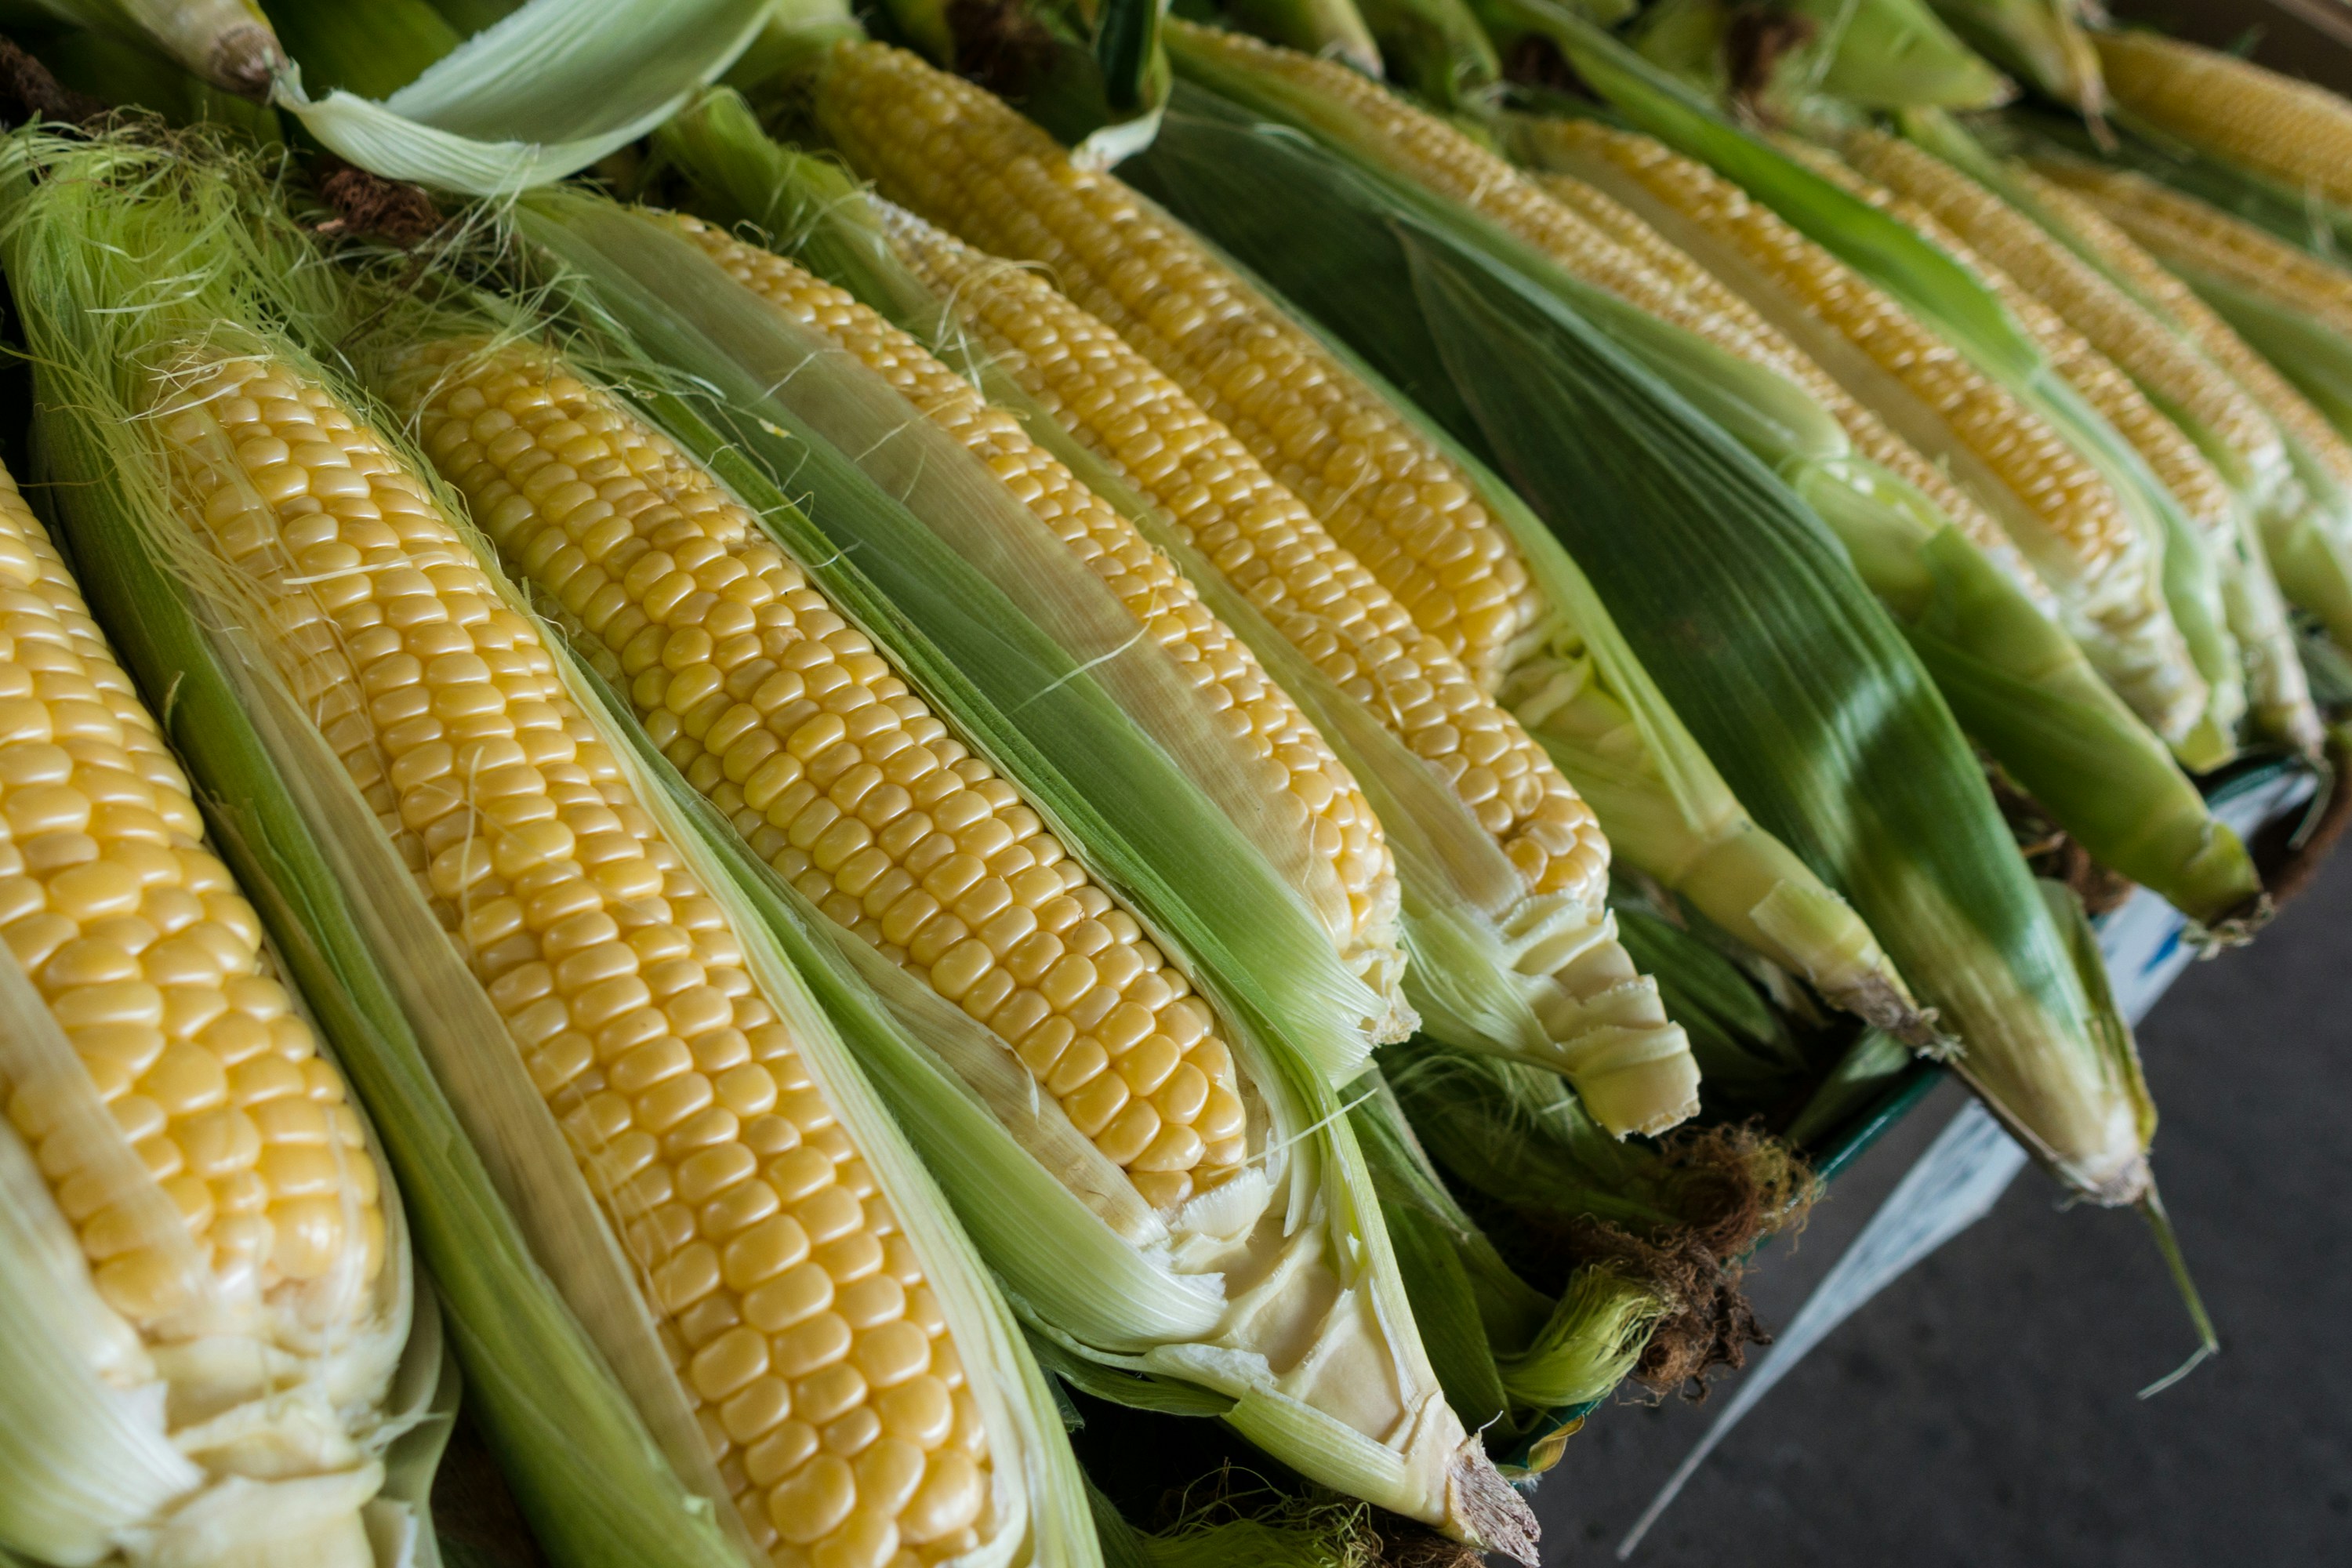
245	1204
138	941
794	1308
957	156
836	775
2127	258
1592	238
2057	508
1298	762
2293	132
2171	370
1266	543
2183	230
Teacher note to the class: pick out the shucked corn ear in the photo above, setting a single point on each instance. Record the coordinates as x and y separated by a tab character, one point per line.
1383	491
2295	132
794	1309
2054	504
246	1278
836	773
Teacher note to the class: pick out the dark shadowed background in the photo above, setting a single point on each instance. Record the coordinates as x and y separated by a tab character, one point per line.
1982	1411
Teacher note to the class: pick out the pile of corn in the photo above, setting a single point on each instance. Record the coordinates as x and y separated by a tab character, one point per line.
784	771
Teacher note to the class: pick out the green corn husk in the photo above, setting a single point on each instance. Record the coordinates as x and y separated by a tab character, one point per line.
120	256
2018	683
227	44
1512	1358
1480	941
1874	53
1126	1296
1901	823
2041	40
1948	294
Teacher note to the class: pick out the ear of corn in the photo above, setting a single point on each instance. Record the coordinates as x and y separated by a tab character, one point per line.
1465	327
1473	570
2307	531
1495	846
187	1192
2052	503
2245	449
762	1264
1314	1354
2294	133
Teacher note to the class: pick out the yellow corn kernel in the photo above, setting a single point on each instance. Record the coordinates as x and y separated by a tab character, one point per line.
618	978
961	158
2294	132
785	717
1265	542
1312	787
136	937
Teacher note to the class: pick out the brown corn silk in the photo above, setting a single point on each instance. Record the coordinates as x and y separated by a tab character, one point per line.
792	1306
836	775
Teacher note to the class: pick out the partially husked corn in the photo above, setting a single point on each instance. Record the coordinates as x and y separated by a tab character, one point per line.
151	963
1305	783
2153	354
1263	539
2178	303
2187	232
1594	239
965	160
2297	133
794	1309
836	772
